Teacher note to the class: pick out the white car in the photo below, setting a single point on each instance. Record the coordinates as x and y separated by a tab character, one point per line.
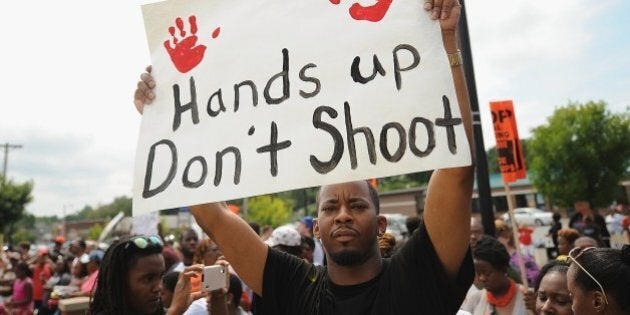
530	216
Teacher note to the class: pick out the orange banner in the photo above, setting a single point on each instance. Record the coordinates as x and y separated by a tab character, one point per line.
373	182
509	147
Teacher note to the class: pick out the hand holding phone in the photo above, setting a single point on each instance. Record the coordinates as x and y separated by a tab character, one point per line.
215	277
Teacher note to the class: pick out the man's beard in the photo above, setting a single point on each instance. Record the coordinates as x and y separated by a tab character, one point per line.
348	258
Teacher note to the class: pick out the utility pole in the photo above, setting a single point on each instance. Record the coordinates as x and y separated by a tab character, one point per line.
6	147
63	220
483	181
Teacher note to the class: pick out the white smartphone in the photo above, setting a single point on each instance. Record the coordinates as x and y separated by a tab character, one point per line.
214	277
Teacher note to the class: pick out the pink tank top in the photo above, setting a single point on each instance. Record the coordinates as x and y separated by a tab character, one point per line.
19	293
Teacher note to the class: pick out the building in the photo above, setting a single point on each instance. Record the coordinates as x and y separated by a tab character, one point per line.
411	201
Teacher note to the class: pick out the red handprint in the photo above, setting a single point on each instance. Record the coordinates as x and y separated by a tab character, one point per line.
372	13
185	54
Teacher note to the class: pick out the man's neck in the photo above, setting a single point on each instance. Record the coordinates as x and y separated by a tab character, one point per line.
188	259
351	275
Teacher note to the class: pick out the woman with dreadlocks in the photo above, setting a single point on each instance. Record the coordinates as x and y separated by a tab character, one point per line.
130	280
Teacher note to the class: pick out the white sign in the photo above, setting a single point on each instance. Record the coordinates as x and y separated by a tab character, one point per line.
145	224
256	97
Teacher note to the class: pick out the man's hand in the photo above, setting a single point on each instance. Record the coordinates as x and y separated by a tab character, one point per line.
144	93
447	11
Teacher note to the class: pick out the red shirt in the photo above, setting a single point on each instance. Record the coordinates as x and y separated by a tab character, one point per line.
41	274
525	236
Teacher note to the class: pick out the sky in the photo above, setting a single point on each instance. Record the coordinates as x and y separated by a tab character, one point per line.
69	70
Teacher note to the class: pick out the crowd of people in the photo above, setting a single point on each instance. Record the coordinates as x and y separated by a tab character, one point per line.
584	276
163	275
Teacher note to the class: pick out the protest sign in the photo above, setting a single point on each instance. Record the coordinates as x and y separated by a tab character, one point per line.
256	97
509	149
511	163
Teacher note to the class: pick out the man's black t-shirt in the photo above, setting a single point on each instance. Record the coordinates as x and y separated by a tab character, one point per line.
413	281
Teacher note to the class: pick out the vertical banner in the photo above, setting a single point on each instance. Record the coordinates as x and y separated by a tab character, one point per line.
509	149
511	162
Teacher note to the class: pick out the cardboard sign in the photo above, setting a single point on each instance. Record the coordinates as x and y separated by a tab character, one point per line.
509	148
257	97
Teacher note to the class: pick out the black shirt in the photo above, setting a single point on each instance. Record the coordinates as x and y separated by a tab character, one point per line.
413	281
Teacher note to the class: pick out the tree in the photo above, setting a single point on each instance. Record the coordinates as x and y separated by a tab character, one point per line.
110	210
268	210
122	203
23	235
94	232
13	201
405	181
302	200
582	152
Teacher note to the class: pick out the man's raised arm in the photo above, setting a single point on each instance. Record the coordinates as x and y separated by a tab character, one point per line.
238	242
449	194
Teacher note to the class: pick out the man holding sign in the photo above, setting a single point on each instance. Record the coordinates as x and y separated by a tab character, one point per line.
429	275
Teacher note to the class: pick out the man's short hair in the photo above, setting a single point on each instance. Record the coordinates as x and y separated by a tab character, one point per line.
373	196
81	243
188	231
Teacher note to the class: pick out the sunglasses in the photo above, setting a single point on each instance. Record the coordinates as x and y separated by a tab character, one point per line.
574	254
142	241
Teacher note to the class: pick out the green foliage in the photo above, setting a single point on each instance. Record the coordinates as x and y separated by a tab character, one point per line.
94	232
27	221
122	203
13	201
23	235
405	181
301	199
268	210
581	153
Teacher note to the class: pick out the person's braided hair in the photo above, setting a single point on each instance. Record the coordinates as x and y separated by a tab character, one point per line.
111	294
611	267
489	249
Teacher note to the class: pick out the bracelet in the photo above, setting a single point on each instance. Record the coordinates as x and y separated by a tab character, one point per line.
455	59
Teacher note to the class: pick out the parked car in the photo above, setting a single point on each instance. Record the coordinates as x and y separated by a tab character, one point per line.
530	216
